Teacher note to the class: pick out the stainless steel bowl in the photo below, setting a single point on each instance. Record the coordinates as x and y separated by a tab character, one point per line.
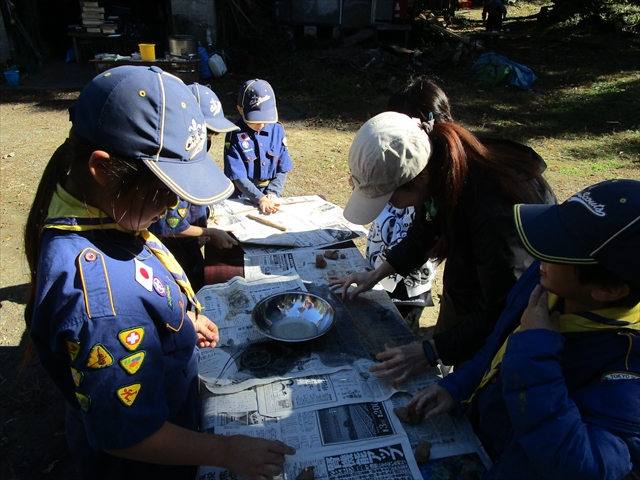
293	316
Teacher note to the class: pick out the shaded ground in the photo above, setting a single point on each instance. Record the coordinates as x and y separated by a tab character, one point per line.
324	94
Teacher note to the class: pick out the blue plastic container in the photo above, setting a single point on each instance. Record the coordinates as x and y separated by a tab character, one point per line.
13	77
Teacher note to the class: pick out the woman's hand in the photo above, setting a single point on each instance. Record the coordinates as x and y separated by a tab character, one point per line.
256	458
364	280
433	393
206	330
536	315
399	363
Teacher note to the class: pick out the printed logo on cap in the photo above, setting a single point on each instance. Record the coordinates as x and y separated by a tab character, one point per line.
584	198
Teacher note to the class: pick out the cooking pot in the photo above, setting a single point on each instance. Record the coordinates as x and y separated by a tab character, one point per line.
183	45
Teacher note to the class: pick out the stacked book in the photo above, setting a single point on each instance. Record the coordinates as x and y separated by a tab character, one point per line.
92	16
110	25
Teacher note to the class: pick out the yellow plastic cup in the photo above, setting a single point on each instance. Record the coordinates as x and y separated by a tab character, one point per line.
148	52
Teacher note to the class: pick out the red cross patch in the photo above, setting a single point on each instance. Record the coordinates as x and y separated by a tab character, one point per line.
131	338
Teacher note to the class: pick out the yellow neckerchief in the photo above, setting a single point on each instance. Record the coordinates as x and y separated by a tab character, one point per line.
611	318
68	213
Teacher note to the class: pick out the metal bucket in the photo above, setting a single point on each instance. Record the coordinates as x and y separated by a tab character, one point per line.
183	45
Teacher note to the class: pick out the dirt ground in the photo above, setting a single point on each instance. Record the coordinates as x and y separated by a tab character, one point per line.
33	122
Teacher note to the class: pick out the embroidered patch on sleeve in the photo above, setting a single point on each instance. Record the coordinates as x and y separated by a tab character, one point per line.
73	348
84	401
183	212
131	337
227	145
132	363
173	222
77	376
129	393
99	357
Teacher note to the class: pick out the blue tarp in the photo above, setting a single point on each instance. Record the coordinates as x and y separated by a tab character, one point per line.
521	76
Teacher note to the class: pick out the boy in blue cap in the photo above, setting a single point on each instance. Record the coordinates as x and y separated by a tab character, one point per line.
555	391
185	224
256	158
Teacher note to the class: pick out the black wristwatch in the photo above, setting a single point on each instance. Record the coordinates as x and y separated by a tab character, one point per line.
430	354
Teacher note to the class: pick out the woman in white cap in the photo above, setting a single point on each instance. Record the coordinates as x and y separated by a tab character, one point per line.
109	310
463	190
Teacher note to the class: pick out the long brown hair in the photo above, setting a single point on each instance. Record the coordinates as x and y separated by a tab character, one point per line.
458	155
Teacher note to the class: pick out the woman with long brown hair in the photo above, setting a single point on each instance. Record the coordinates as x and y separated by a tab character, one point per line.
463	190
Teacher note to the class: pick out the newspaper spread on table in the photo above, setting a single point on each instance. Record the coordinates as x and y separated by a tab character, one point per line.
341	421
346	441
310	222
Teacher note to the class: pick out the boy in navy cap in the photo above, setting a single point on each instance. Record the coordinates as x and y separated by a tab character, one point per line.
256	158
555	391
185	224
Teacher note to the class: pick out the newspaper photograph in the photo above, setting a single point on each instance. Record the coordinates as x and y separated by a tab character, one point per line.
308	222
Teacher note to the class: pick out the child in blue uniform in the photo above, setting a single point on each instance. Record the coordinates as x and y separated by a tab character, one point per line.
555	391
256	158
109	309
493	12
185	224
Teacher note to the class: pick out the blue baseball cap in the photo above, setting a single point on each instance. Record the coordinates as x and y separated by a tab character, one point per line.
144	113
258	102
212	109
600	224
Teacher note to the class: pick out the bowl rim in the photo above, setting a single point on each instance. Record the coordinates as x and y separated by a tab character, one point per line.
264	300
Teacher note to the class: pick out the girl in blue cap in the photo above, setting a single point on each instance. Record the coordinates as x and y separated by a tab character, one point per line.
112	316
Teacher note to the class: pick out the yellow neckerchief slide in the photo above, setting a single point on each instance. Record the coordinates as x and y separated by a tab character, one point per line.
69	213
615	318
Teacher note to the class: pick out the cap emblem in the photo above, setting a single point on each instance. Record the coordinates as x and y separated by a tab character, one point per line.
196	140
216	107
257	100
584	197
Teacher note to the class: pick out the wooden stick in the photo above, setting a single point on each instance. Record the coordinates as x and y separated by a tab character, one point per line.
267	222
251	209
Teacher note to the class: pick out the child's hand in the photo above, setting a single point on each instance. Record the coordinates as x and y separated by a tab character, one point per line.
269	203
207	330
536	315
433	393
256	458
221	239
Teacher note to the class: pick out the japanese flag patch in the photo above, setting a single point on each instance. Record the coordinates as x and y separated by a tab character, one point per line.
144	274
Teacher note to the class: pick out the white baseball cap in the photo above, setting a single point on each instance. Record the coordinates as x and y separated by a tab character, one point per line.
388	151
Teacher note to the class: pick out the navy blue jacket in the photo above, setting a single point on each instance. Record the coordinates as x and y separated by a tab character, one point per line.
110	328
563	406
